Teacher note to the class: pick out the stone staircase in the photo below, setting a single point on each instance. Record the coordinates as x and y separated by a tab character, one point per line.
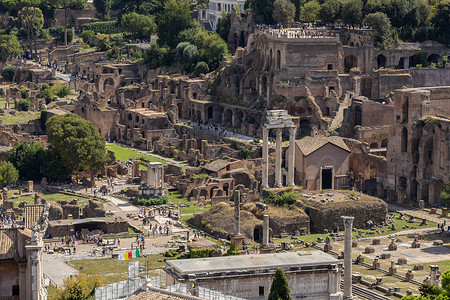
339	115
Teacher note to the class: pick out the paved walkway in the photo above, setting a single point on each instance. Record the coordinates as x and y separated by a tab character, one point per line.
56	269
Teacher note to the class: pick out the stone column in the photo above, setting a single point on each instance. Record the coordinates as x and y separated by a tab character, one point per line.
291	162
348	226
434	275
35	259
265	158
279	146
237	212
265	241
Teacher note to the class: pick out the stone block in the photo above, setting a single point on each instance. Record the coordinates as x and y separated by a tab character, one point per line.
369	250
376	265
402	261
392	271
30	186
409	275
421	204
354	244
433	210
418	267
376	241
327	248
385	255
445	212
438	243
392	247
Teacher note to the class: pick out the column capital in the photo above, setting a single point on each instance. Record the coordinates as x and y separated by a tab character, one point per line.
292	130
279	130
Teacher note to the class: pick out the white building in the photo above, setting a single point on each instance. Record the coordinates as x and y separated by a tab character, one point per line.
217	7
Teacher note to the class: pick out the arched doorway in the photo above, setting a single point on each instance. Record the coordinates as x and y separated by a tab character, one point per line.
204	193
414	61
226	188
433	58
414	189
109	82
257	234
239	118
381	61
384	143
350	62
278	59
228	116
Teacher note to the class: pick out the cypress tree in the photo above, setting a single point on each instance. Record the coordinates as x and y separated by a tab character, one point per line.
280	287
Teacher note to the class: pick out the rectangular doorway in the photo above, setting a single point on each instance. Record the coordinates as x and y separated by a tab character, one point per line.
327	178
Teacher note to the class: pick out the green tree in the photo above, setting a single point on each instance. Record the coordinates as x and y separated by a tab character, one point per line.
102	42
158	56
80	286
330	11
263	9
352	12
381	28
45	35
223	25
283	11
29	159
445	281
280	287
201	68
9	47
9	73
140	26
175	18
441	21
32	20
24	104
8	173
103	7
77	141
310	12
87	35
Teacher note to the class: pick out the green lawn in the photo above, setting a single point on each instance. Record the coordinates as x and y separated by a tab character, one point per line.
49	196
3	101
177	199
123	153
113	270
19	117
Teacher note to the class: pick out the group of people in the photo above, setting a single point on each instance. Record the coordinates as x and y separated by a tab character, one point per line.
7	221
302	32
212	127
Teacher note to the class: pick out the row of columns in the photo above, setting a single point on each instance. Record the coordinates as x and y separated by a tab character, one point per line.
278	157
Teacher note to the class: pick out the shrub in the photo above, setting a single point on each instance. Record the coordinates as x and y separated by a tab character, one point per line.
201	68
24	104
64	91
86	35
199	176
203	253
107	27
285	198
151	201
245	153
9	73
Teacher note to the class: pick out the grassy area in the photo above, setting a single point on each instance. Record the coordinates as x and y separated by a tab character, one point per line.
3	102
178	199
113	270
398	224
49	196
123	153
18	117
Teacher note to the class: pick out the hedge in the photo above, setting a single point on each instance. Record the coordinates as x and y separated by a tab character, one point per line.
106	27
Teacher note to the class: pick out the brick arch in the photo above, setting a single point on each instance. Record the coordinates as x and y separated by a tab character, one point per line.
109	80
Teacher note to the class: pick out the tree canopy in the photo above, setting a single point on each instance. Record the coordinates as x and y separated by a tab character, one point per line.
77	141
280	287
8	173
140	26
310	11
381	26
283	11
175	18
9	47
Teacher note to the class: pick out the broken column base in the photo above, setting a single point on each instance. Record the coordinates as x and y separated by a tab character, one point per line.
267	249
392	271
237	240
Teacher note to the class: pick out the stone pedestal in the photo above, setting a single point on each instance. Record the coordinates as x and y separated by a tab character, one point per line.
434	275
433	210
409	275
267	250
415	244
30	186
376	241
392	246
348	226
445	212
369	250
327	248
392	268
376	264
402	261
354	244
421	204
237	240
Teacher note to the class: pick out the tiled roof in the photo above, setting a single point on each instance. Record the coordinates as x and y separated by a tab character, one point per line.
216	165
310	144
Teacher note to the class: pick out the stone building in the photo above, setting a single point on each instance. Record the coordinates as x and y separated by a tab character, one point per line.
418	149
312	275
218	7
321	163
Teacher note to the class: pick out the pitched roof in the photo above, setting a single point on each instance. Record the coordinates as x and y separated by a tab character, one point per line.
310	144
216	165
160	294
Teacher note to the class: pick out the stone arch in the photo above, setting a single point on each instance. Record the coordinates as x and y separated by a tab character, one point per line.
218	113
374	145
401	63
352	44
350	62
384	143
239	118
108	82
258	234
130	117
404	144
358	115
210	113
228	116
414	61
136	119
278	59
433	58
357	44
381	61
414	189
204	193
214	191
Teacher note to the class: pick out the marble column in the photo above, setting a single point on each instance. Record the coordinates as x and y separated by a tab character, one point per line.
265	158
348	226
36	288
434	275
265	241
291	162
279	146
